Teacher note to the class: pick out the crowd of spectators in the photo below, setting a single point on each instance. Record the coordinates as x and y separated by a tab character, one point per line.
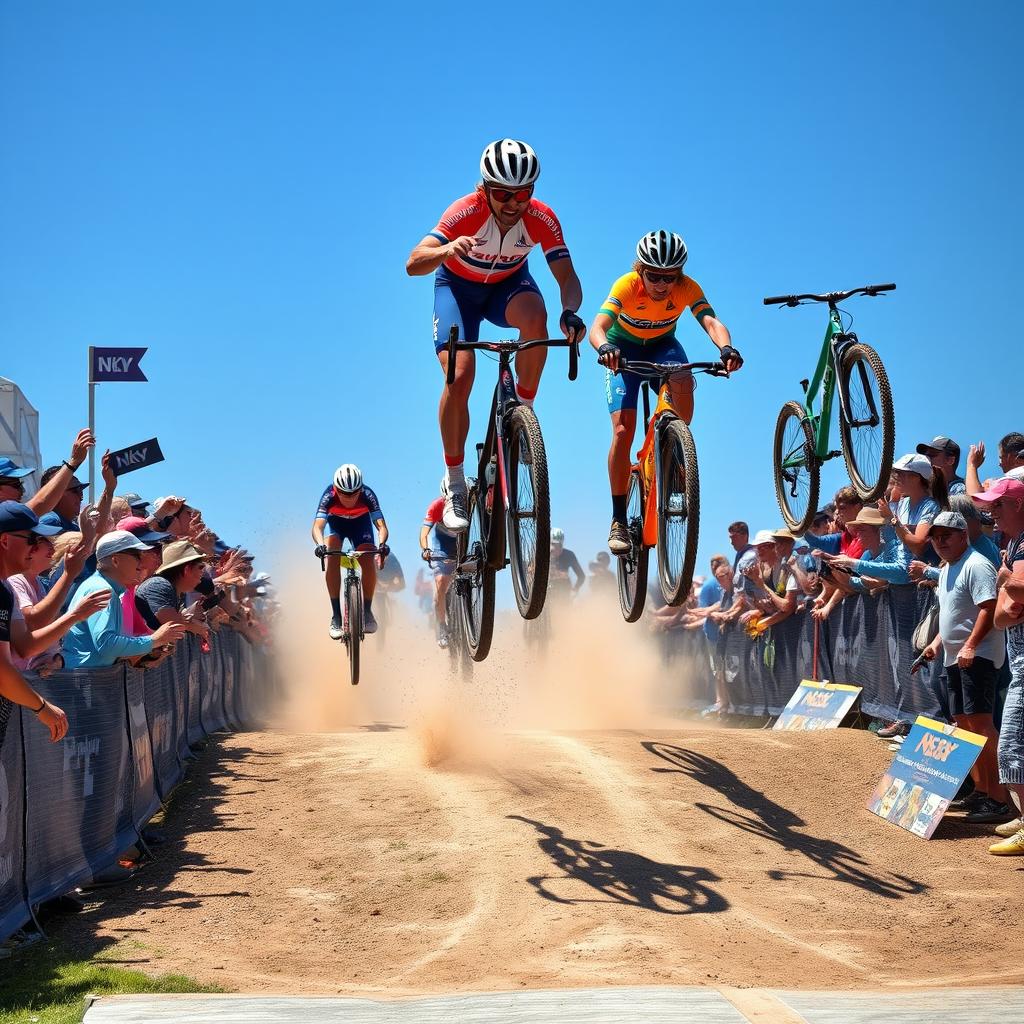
87	586
961	536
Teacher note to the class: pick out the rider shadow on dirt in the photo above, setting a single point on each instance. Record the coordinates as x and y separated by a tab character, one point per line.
768	820
620	876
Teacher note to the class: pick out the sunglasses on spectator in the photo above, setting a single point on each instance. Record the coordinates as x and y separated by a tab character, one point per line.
660	278
503	195
29	538
16	484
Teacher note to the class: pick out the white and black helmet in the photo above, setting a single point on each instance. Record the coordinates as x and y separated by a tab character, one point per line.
662	249
348	479
510	164
557	535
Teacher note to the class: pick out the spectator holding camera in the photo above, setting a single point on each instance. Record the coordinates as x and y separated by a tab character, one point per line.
973	653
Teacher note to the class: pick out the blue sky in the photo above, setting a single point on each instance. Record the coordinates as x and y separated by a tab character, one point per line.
237	186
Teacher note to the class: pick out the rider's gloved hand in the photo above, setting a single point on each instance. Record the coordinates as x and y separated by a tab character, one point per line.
383	550
572	326
320	550
731	357
425	554
608	355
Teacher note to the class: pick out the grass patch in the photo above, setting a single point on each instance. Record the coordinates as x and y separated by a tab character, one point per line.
47	983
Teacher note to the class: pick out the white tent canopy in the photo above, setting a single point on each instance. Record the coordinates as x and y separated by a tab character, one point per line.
19	431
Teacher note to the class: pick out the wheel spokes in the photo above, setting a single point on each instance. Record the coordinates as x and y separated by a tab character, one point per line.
864	424
524	512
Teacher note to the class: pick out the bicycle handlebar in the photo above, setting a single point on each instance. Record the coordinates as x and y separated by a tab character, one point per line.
830	297
645	369
354	553
510	346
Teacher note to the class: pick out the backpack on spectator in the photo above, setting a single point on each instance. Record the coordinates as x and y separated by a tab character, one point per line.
928	628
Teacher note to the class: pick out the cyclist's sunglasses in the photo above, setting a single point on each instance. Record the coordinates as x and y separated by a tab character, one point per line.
661	278
503	195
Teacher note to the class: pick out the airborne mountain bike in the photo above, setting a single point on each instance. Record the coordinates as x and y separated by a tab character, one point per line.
866	424
351	603
509	502
663	499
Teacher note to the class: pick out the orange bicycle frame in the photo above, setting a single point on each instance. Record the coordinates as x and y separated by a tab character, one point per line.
645	464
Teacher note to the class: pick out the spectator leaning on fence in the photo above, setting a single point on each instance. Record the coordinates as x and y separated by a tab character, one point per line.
944	455
102	638
769	587
1005	501
973	654
19	526
138	619
976	536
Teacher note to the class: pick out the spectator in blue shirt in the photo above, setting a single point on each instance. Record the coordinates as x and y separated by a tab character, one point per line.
885	557
923	498
101	639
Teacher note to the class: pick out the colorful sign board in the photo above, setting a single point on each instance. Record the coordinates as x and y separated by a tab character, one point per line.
925	775
817	706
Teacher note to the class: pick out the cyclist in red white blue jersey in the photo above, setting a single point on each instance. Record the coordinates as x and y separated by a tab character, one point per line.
478	250
349	510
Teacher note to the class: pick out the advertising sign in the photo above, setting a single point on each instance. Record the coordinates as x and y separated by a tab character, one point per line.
925	775
116	364
136	456
817	706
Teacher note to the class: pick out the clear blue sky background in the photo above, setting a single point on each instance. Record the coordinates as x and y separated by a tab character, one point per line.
237	185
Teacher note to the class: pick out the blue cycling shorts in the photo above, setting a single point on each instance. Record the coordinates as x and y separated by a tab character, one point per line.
622	390
448	547
357	531
469	303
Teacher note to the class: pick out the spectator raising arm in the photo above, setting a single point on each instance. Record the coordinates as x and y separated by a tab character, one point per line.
46	498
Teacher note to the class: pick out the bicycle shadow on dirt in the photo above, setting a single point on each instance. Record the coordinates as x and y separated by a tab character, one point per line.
768	820
621	876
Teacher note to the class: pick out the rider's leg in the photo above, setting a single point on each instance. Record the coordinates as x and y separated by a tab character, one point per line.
441	585
368	564
619	460
525	311
333	571
455	305
682	387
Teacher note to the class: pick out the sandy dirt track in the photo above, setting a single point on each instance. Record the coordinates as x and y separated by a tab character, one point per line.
384	861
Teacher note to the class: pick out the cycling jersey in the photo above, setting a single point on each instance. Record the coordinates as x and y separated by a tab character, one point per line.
641	320
331	506
493	257
446	542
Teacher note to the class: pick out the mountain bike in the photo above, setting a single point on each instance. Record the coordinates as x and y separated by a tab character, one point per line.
458	649
509	502
663	499
866	423
351	603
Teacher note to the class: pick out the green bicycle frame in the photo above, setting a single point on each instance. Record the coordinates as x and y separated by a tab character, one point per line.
823	381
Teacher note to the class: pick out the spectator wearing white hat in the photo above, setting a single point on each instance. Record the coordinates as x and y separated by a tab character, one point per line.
102	638
923	498
769	587
944	455
973	652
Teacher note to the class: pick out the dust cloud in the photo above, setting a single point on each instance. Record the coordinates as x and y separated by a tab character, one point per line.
578	667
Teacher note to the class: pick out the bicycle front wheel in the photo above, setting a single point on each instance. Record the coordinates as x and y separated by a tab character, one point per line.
632	568
866	422
678	511
797	472
353	625
478	587
529	512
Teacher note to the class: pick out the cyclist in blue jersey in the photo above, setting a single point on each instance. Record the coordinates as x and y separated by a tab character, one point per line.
350	511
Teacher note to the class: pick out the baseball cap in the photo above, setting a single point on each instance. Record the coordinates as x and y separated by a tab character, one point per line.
914	464
868	516
764	537
950	520
16	516
142	530
116	541
135	501
261	577
1005	487
12	470
941	445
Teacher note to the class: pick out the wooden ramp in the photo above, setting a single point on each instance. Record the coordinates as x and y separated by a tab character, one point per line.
580	1006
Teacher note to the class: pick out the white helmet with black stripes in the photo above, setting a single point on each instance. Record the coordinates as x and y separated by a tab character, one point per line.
662	249
509	164
348	478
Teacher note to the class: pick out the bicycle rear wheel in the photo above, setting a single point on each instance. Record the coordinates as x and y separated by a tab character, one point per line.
529	512
632	568
797	472
678	511
458	654
866	422
353	625
478	587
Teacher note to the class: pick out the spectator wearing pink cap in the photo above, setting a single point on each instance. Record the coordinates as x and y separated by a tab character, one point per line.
1011	460
1004	501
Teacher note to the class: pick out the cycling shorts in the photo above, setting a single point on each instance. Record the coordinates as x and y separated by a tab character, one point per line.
446	546
622	390
358	531
469	303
